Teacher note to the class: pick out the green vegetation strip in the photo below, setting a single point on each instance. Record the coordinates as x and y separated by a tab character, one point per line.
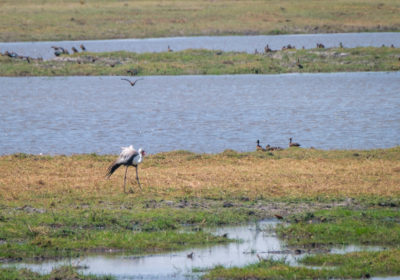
38	20
343	227
208	62
65	272
352	265
29	232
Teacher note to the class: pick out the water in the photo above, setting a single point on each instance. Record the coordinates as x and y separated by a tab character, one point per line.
177	265
225	43
66	115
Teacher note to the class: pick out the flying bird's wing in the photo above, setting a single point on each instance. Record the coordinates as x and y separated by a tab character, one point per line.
126	80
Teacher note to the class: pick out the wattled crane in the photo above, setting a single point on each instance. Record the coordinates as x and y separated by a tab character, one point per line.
128	157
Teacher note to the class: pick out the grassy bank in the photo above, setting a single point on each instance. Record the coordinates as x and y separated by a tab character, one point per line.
89	19
62	205
202	62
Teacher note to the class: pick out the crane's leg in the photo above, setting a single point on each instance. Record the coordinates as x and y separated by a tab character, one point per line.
137	177
126	170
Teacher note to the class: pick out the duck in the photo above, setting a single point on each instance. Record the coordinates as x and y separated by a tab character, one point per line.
298	64
259	148
292	144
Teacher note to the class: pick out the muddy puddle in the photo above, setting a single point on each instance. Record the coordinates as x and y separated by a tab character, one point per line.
256	240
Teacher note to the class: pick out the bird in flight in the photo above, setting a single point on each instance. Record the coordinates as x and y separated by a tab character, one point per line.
132	83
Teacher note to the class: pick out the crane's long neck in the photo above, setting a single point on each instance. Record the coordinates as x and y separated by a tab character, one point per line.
138	158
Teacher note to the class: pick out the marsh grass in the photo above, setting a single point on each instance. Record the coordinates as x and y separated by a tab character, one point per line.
36	20
352	265
64	272
375	226
340	226
63	205
208	62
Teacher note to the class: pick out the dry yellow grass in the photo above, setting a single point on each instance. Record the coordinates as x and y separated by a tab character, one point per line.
41	180
93	19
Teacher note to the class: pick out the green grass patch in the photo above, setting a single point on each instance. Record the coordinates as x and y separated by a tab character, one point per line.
352	265
378	226
65	272
31	232
207	62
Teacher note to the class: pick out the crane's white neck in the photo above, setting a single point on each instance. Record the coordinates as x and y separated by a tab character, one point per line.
138	159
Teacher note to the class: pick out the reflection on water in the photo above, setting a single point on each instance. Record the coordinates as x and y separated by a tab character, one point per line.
66	115
177	264
225	43
255	240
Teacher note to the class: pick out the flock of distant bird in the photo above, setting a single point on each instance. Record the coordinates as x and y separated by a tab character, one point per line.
17	56
267	48
271	148
60	50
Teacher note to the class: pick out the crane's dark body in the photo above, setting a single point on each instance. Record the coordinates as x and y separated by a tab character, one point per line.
115	165
128	157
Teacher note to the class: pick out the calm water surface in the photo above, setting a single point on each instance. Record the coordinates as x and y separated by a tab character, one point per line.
176	265
66	115
225	43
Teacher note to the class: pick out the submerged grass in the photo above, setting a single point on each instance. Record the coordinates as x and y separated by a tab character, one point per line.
205	62
375	226
36	20
340	226
351	265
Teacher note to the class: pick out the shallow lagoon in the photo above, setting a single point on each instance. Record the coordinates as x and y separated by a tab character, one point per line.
66	115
